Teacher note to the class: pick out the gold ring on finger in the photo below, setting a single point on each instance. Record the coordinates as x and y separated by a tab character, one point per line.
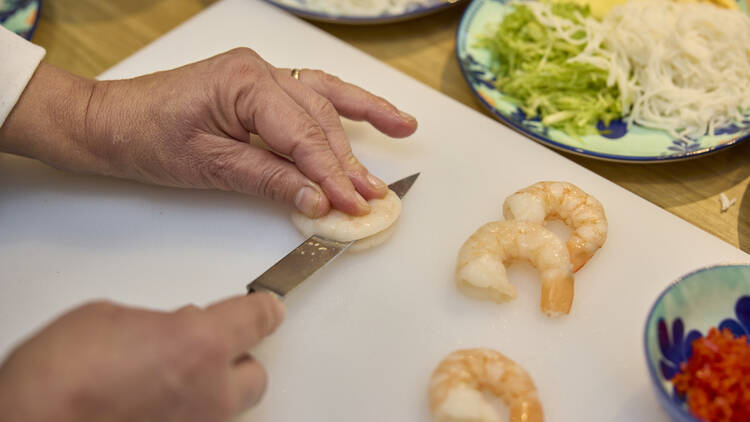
295	73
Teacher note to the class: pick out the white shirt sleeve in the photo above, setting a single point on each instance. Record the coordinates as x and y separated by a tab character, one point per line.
19	60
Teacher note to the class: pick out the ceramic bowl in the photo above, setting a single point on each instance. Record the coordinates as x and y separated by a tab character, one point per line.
717	296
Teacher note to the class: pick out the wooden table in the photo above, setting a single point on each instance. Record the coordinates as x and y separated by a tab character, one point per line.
88	36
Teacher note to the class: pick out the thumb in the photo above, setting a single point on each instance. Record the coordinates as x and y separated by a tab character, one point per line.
239	167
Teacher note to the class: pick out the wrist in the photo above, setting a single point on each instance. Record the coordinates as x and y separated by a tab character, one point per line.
49	122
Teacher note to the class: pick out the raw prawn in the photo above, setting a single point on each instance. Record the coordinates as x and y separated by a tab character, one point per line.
580	211
456	387
481	274
372	228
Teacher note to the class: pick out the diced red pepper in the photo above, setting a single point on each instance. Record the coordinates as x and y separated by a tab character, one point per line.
716	378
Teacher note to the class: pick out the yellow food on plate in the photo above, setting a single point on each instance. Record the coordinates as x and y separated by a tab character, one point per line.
600	8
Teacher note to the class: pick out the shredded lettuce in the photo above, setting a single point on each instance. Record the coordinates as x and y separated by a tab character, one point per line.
531	63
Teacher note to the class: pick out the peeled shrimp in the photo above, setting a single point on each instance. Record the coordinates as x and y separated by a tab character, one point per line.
580	211
457	384
372	228
480	272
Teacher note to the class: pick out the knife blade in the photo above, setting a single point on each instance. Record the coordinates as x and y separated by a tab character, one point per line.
310	256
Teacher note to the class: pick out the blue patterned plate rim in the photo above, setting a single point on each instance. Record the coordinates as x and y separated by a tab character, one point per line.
652	372
364	20
32	30
36	19
463	29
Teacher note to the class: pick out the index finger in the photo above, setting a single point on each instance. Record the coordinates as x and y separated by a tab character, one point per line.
246	320
356	103
288	129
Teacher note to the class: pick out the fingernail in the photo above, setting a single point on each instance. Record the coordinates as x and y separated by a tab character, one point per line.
374	181
274	295
308	200
406	116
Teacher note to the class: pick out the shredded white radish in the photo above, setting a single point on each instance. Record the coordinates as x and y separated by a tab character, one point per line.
681	67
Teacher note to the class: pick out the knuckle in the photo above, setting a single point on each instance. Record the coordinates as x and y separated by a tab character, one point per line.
312	133
190	310
333	177
329	79
242	52
203	342
352	161
242	62
94	312
311	140
272	182
316	73
97	306
215	170
244	70
325	108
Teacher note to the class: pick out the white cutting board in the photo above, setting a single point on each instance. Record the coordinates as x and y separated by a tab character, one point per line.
363	335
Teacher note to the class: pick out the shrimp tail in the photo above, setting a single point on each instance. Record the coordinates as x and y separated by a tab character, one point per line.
526	411
557	297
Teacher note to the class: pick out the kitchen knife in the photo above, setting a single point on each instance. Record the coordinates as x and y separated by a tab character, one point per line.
310	256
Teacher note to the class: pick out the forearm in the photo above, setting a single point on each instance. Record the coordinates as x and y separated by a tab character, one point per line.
48	122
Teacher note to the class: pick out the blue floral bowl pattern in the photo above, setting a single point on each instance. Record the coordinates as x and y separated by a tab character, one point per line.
20	16
362	12
710	297
637	144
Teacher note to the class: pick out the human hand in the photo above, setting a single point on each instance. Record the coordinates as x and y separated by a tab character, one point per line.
191	127
104	362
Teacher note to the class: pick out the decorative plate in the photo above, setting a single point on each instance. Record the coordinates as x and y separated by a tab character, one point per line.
637	144
710	297
362	12
20	16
